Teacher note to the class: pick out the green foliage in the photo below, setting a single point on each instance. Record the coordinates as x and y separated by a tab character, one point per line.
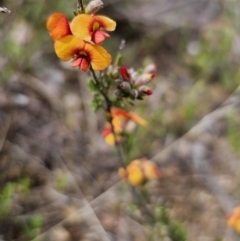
233	133
165	227
161	215
6	199
32	228
24	185
177	232
61	182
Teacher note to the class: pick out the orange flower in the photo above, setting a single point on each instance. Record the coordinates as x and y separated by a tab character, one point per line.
83	53
120	119
67	46
89	27
58	26
139	172
234	219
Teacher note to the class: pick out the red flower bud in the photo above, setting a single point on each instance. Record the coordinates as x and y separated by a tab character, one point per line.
144	90
149	92
124	73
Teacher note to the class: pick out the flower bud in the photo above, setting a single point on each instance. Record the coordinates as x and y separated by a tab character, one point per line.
118	82
94	6
134	93
150	68
145	90
118	92
124	73
125	86
144	79
112	71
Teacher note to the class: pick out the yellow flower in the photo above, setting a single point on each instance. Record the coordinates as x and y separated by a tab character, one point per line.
234	219
120	118
68	46
89	27
139	172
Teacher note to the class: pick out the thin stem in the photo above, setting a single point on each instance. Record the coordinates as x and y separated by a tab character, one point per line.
143	202
108	106
80	5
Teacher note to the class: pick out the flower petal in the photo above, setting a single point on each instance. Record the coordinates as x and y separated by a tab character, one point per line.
119	112
106	23
84	65
58	26
68	46
100	58
138	119
99	36
135	175
129	115
110	140
76	62
83	25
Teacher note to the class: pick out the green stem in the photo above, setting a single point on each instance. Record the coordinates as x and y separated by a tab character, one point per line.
108	106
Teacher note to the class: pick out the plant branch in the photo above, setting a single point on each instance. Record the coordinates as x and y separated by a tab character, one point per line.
108	106
80	5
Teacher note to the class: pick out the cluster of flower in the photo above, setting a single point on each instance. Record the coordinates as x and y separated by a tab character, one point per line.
80	39
139	172
133	84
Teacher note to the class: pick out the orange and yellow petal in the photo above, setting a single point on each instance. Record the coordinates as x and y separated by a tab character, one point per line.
106	23
58	26
119	112
129	115
68	46
137	119
122	172
110	140
135	175
118	122
99	57
150	170
83	25
234	219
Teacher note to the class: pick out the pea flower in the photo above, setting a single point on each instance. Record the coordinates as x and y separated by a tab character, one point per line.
234	219
90	27
121	119
69	47
139	172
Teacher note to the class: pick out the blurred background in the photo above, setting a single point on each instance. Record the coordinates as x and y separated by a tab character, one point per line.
58	178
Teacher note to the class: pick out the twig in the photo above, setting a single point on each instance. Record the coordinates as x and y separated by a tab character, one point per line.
4	133
80	5
108	106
